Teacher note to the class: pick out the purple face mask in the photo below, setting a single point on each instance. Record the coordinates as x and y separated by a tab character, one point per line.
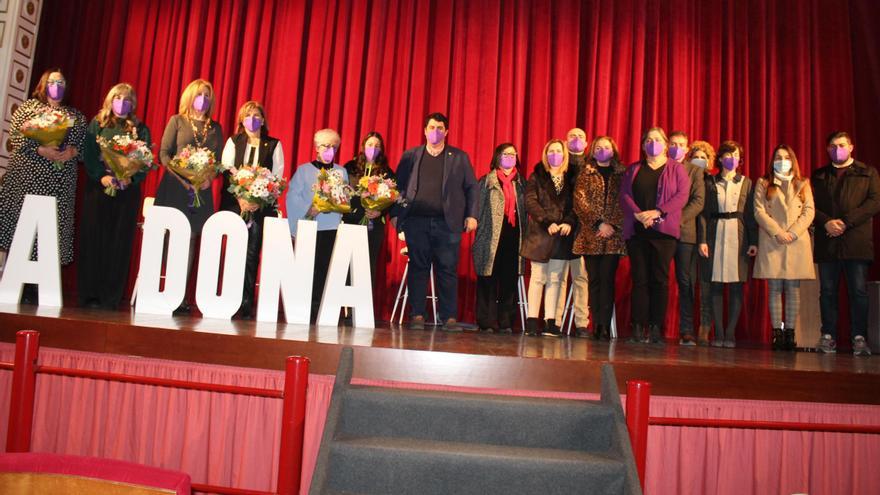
200	103
121	107
508	162
654	148
577	145
436	136
252	123
554	159
729	162
55	91
603	154
676	153
839	155
327	155
371	152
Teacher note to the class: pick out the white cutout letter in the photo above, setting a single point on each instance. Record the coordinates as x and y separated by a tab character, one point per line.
222	223
351	255
38	221
284	272
161	219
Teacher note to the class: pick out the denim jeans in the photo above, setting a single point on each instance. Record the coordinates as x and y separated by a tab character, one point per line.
429	241
856	272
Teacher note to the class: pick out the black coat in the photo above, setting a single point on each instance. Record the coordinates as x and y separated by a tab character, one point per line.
545	207
856	203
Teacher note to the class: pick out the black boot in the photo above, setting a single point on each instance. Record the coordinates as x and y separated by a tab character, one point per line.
550	328
531	326
788	343
776	340
30	294
656	336
637	336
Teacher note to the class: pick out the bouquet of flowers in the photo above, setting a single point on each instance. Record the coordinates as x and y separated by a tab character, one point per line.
49	128
377	193
256	185
124	156
197	166
332	192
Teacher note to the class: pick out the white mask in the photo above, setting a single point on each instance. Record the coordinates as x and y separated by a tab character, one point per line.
699	162
782	166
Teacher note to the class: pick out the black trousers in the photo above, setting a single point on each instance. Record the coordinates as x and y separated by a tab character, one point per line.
105	238
496	294
252	256
601	274
323	251
649	268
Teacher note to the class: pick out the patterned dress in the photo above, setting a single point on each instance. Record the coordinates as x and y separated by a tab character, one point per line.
30	173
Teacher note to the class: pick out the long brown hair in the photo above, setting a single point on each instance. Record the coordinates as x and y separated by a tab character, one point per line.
796	178
40	89
360	161
563	168
106	117
243	112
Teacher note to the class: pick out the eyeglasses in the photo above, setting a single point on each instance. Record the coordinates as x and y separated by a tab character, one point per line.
57	82
324	146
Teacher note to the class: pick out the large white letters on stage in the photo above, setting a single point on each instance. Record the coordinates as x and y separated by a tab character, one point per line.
224	305
285	272
38	221
350	257
159	220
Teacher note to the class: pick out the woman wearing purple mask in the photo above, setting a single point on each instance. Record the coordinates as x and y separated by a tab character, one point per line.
499	235
191	126
253	146
550	233
728	237
652	194
599	239
299	206
105	239
370	161
42	170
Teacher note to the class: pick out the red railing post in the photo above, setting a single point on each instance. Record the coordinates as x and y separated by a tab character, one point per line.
293	421
638	401
24	380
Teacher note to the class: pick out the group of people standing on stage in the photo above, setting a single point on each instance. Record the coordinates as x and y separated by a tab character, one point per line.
580	210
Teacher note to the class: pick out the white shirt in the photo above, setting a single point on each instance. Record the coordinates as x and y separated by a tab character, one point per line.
228	157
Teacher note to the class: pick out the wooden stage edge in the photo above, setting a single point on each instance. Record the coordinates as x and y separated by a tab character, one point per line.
464	359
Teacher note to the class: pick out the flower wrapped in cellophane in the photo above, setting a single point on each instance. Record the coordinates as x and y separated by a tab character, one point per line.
48	128
197	166
377	193
256	185
332	192
124	156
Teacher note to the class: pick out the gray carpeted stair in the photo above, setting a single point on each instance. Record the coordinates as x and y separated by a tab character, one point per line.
396	441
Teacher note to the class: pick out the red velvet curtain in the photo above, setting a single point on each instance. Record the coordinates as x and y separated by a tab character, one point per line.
523	71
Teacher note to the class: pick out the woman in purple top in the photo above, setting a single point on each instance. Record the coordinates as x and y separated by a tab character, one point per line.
652	194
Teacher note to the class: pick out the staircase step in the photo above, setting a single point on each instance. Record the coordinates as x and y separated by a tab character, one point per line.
377	465
478	418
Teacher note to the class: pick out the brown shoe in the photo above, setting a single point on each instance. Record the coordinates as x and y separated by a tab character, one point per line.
703	338
451	325
417	322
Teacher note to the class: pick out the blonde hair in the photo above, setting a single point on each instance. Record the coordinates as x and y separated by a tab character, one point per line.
659	130
243	112
563	168
107	118
331	132
189	94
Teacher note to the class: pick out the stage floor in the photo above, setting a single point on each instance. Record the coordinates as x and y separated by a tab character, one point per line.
461	359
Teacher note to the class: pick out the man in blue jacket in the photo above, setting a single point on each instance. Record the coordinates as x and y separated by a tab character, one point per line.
439	192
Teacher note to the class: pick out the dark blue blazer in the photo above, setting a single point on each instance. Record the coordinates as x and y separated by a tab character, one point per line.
460	191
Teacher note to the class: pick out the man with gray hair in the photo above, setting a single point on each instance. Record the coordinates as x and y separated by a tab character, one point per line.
299	206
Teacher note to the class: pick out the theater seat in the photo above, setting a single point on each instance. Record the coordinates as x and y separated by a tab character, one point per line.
35	473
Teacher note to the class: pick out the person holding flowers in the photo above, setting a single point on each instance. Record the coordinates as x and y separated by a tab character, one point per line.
117	156
46	138
370	166
324	203
190	144
253	164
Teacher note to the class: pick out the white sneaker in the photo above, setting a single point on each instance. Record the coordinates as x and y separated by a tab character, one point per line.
827	345
860	347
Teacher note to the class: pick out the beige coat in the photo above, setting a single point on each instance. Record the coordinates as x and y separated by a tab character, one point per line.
785	212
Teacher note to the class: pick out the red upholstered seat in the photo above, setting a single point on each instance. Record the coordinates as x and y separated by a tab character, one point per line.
33	473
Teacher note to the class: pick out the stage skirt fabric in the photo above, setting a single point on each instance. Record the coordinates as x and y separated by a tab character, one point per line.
191	431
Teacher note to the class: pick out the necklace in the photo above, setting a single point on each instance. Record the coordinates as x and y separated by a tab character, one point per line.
200	140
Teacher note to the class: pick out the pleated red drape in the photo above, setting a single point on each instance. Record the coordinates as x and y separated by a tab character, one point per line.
760	72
